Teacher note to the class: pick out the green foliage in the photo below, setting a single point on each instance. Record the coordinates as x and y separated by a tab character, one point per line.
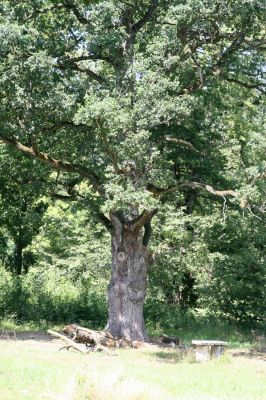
214	261
162	317
52	297
127	103
109	107
237	269
8	291
22	206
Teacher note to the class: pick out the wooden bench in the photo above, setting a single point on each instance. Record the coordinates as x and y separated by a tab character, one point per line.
207	349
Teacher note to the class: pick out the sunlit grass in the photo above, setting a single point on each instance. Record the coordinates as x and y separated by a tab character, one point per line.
36	370
148	375
32	370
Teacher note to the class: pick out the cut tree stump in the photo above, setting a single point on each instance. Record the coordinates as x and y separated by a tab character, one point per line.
208	349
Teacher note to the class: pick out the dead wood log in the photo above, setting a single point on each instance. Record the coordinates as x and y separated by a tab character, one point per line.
89	337
70	342
97	340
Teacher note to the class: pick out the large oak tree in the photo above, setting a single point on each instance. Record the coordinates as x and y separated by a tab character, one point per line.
133	98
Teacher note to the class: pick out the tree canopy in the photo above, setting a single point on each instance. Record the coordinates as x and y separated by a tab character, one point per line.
129	95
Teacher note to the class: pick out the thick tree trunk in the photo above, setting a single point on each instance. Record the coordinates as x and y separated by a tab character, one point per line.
127	287
18	258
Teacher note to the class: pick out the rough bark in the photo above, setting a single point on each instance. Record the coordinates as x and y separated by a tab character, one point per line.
127	287
18	258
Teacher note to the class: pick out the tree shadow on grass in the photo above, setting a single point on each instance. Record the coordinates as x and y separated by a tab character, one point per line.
172	356
251	354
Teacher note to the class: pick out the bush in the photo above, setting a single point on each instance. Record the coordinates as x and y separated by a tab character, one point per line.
159	315
8	293
50	296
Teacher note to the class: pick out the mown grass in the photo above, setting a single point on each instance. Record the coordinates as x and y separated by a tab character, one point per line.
36	370
147	376
31	370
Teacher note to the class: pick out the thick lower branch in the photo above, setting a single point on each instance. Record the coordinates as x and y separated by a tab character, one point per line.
106	222
74	66
259	85
54	163
192	185
146	18
141	220
189	145
208	188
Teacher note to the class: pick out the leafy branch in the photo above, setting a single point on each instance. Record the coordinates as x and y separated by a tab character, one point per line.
56	164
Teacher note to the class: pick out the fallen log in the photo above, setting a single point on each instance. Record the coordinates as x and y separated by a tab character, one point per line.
89	337
70	342
76	336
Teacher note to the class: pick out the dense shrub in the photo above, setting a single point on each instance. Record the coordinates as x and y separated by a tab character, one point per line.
52	297
235	283
208	263
8	293
159	315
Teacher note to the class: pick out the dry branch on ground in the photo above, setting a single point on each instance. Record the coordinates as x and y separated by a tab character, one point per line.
86	340
77	336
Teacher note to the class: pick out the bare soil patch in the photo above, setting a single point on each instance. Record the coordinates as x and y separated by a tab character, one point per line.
41	340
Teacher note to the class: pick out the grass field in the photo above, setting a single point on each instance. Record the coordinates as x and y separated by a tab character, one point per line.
32	368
